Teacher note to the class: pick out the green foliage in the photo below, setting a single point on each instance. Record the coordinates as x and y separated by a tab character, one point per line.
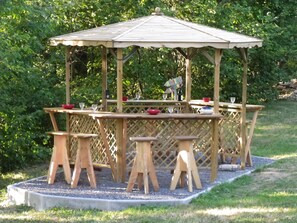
32	73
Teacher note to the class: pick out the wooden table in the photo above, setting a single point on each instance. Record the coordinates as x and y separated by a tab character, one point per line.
118	164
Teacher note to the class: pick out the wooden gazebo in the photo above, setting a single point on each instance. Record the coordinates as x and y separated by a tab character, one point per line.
156	31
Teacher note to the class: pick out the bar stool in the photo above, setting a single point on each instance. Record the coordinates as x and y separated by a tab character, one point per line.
83	159
143	165
59	157
185	163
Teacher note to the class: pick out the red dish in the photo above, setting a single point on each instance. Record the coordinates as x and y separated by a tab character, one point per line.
68	106
153	111
206	99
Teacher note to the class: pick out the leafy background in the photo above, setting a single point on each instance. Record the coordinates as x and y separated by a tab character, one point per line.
32	72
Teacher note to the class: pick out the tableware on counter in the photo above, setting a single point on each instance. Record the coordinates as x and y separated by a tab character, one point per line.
81	105
153	111
232	99
206	110
170	109
68	106
125	98
206	99
164	96
94	107
137	96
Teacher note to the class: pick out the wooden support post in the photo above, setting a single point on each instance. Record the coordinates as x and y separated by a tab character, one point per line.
188	75
215	125
119	80
68	73
119	142
216	97
215	149
119	125
243	52
104	77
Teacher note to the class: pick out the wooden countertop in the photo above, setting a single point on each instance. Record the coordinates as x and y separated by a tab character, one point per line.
113	115
159	116
249	107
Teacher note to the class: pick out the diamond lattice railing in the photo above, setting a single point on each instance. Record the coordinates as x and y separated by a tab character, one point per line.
165	149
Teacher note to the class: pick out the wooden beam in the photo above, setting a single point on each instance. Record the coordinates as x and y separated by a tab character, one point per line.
104	77
188	75
68	71
215	126
208	56
119	80
216	96
243	53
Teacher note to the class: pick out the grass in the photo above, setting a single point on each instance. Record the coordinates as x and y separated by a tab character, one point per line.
267	195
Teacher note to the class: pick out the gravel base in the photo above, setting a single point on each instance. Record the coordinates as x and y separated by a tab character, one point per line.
108	189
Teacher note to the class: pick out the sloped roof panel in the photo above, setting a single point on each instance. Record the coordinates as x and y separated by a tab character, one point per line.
157	31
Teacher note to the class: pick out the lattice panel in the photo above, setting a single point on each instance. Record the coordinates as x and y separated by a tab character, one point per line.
86	124
165	149
140	108
229	132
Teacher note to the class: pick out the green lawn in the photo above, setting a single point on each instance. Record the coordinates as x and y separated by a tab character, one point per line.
267	195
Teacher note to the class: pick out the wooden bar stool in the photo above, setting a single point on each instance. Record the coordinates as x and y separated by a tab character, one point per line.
185	163
59	157
143	165
83	159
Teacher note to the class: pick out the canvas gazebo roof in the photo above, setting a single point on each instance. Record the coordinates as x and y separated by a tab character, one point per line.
158	31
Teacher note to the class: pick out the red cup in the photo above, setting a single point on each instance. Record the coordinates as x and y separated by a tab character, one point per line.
206	99
125	98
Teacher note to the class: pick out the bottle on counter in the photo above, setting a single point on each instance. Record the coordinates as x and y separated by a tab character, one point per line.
179	95
107	95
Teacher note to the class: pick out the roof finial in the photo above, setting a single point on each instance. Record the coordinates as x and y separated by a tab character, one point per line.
157	11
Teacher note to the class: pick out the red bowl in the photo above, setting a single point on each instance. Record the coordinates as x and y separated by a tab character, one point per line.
153	111
68	106
206	99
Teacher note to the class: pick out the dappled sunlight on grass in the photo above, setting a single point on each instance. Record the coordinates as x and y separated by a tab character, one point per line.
235	211
283	194
284	156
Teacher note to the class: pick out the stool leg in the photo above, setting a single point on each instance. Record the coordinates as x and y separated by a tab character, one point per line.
133	176
145	174
85	144
194	171
189	173
66	166
153	176
176	174
53	167
77	169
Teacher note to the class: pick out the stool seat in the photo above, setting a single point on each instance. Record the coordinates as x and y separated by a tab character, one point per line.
143	139
143	165
83	159
59	157
186	138
185	163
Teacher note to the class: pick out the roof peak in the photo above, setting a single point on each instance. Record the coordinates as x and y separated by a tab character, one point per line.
157	11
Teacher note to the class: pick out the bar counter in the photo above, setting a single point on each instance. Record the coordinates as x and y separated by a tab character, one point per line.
114	149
